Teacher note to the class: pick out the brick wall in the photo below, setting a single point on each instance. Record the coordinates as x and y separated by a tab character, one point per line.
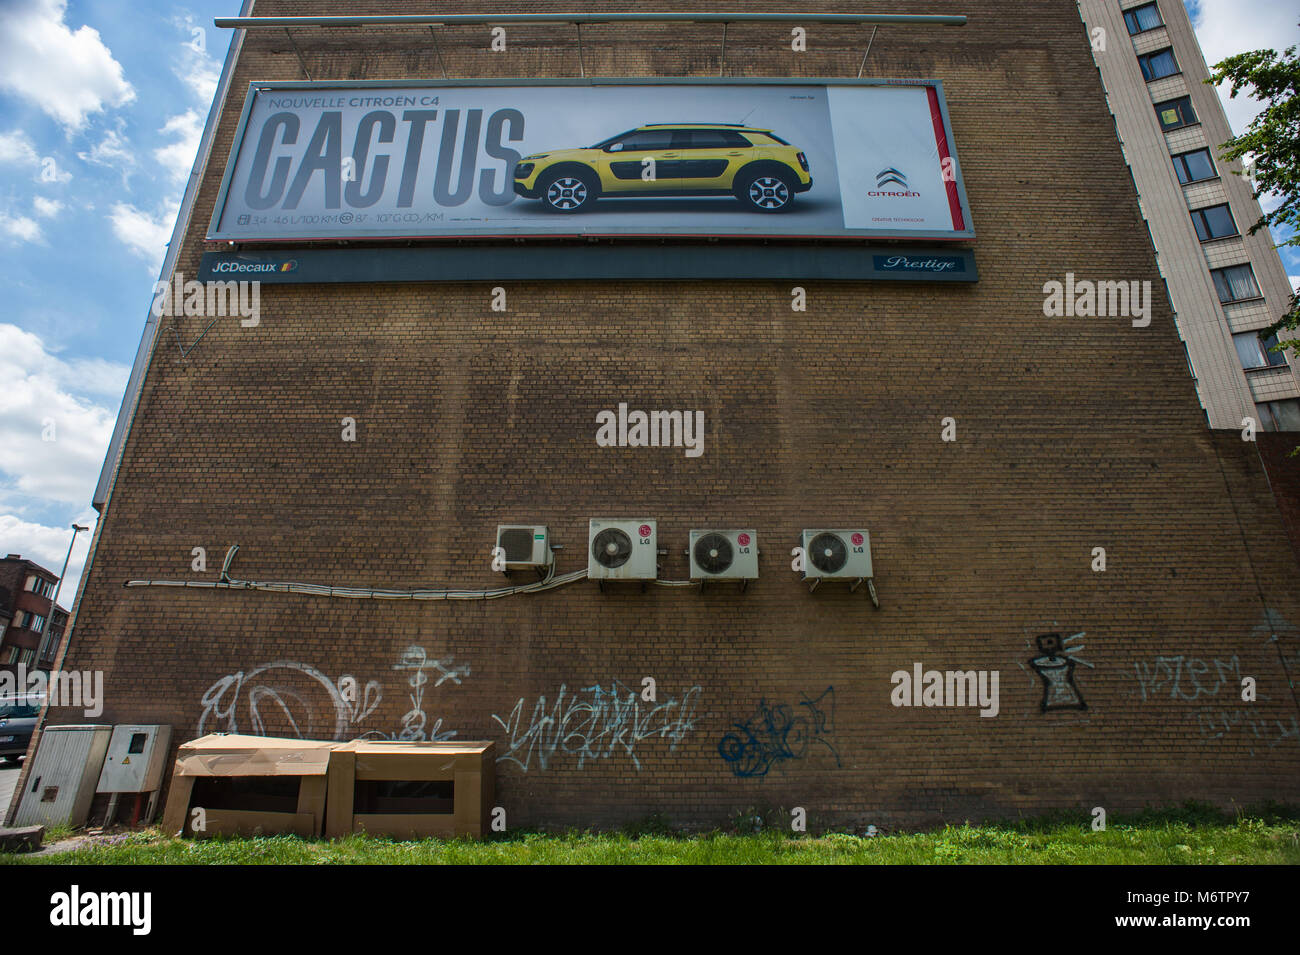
1284	475
1073	434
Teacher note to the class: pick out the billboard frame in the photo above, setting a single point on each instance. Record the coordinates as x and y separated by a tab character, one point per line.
967	234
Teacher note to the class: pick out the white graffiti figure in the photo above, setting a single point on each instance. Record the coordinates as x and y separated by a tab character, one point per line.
415	720
285	698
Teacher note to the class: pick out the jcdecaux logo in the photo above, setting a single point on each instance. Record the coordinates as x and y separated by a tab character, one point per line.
289	265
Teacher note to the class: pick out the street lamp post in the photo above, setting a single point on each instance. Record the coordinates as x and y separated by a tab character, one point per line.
54	603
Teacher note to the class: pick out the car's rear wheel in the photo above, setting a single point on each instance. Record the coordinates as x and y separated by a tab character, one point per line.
568	191
766	192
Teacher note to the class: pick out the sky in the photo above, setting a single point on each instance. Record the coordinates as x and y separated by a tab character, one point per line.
102	103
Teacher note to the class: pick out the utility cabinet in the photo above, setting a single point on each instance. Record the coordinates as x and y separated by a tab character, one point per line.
61	782
134	764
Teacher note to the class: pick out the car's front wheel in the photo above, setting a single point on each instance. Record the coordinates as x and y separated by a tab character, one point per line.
568	191
766	192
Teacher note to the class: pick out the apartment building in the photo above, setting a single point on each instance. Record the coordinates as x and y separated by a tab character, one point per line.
1226	285
34	624
1038	495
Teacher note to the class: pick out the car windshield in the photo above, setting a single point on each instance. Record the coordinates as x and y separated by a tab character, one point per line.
613	139
19	709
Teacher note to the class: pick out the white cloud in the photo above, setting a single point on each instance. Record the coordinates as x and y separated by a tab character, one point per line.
178	156
48	546
193	64
113	150
16	147
53	432
20	228
144	234
1295	282
68	74
48	208
1226	27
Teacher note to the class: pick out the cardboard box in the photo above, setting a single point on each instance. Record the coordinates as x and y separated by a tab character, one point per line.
411	790
249	785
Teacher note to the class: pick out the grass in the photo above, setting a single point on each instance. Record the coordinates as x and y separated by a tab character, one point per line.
1190	835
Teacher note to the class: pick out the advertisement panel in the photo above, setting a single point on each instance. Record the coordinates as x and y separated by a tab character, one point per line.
831	159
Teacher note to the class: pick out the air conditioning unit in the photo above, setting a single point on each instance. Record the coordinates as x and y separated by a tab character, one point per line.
622	550
724	555
838	555
525	547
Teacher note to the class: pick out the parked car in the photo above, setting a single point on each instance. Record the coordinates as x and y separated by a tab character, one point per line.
756	166
18	715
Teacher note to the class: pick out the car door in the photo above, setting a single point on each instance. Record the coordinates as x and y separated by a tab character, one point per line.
710	160
624	163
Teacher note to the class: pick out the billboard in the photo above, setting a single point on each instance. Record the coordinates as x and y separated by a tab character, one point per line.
831	159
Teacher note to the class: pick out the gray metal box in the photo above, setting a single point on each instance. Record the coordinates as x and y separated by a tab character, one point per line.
134	762
61	782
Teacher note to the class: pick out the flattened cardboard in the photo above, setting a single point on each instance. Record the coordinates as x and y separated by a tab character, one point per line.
328	773
218	755
470	765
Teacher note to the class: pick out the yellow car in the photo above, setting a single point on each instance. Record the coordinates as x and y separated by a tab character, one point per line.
756	166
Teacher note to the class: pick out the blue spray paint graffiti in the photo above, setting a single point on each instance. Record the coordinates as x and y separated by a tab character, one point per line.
594	723
774	735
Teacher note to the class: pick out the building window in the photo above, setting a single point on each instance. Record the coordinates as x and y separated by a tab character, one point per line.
1214	222
1195	166
49	647
27	657
1236	283
1158	65
1175	113
1255	350
13	655
39	586
1143	18
1279	415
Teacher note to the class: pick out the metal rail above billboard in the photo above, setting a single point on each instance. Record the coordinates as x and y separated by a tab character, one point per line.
455	159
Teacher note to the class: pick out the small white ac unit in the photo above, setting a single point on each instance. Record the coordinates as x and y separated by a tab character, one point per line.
525	546
838	555
622	550
724	555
